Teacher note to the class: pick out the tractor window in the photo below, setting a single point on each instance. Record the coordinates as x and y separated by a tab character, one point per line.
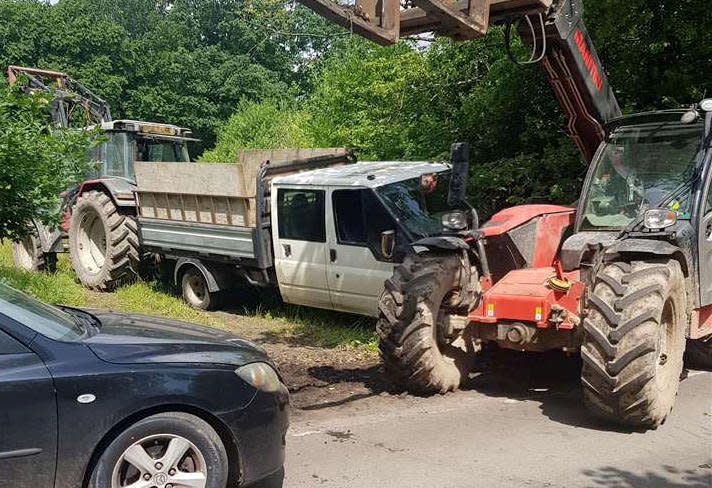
349	217
116	155
301	215
162	151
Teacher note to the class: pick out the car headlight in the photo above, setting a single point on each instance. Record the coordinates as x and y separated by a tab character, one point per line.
659	218
260	375
454	220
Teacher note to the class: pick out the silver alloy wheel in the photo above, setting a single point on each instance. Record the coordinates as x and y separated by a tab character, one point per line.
196	289
92	243
25	253
160	461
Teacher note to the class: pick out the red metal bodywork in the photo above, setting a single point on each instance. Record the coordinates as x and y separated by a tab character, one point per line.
525	295
701	323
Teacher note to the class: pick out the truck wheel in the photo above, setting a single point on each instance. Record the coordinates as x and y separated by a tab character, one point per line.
699	353
103	243
195	290
413	351
27	255
634	339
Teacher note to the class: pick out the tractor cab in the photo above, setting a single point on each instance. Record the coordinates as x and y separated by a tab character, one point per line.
128	141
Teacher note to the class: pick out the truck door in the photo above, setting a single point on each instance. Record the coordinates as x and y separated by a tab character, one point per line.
356	268
28	417
300	246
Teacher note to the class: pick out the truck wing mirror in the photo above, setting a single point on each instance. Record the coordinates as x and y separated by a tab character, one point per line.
388	243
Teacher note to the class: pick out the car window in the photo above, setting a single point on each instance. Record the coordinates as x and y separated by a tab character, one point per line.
349	217
301	215
38	316
9	345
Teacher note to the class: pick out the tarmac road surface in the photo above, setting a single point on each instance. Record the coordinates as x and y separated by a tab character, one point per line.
504	430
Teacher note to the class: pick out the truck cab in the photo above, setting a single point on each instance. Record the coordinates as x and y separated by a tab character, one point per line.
329	227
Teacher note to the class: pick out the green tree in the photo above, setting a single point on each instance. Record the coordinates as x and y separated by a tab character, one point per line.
37	161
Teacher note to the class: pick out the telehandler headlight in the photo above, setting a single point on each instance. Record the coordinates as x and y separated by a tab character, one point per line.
455	220
659	218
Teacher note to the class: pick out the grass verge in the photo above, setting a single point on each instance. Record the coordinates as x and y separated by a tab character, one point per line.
260	316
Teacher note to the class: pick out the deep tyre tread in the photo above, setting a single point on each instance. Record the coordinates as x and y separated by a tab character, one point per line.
625	336
409	308
122	250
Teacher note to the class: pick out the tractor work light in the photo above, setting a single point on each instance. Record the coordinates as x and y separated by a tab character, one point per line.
659	218
454	220
706	104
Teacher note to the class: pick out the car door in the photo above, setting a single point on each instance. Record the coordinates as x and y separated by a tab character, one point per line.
299	237
28	417
357	270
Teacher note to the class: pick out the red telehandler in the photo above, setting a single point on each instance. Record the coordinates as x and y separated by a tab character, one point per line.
623	278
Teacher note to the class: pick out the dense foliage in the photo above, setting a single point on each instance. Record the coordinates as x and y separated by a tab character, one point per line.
37	161
284	77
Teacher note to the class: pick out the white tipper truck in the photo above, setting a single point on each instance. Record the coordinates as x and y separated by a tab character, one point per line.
324	230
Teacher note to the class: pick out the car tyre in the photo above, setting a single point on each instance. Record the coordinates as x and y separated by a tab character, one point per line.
140	450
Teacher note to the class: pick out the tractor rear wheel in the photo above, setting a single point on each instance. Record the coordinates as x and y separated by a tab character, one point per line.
27	255
103	242
414	352
634	340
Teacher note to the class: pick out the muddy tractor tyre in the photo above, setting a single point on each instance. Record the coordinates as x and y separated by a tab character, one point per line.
103	243
27	255
413	354
634	340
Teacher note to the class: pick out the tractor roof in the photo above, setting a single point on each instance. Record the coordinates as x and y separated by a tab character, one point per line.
148	128
368	174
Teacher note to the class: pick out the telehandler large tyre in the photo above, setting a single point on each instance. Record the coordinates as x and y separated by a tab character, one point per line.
634	340
413	352
27	255
103	242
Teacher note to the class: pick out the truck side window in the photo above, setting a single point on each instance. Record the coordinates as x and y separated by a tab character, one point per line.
301	215
349	216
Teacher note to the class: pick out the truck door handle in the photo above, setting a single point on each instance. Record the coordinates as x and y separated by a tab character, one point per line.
332	254
287	250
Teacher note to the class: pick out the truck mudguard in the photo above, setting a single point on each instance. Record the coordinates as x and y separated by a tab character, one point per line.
217	279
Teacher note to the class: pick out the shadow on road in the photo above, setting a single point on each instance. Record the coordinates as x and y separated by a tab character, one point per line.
619	478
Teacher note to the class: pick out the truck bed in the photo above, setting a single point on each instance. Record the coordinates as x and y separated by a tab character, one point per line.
218	211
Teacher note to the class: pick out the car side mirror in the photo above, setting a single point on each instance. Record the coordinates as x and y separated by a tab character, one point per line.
388	243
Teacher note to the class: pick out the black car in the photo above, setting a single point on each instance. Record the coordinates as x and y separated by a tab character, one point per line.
105	400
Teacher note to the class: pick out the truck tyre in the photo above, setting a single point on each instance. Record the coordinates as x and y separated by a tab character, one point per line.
698	353
634	340
27	255
195	290
413	351
103	243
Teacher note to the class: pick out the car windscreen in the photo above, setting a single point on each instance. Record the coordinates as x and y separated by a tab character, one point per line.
47	320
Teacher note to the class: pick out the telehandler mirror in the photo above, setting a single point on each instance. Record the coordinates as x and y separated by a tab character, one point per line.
388	243
460	161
